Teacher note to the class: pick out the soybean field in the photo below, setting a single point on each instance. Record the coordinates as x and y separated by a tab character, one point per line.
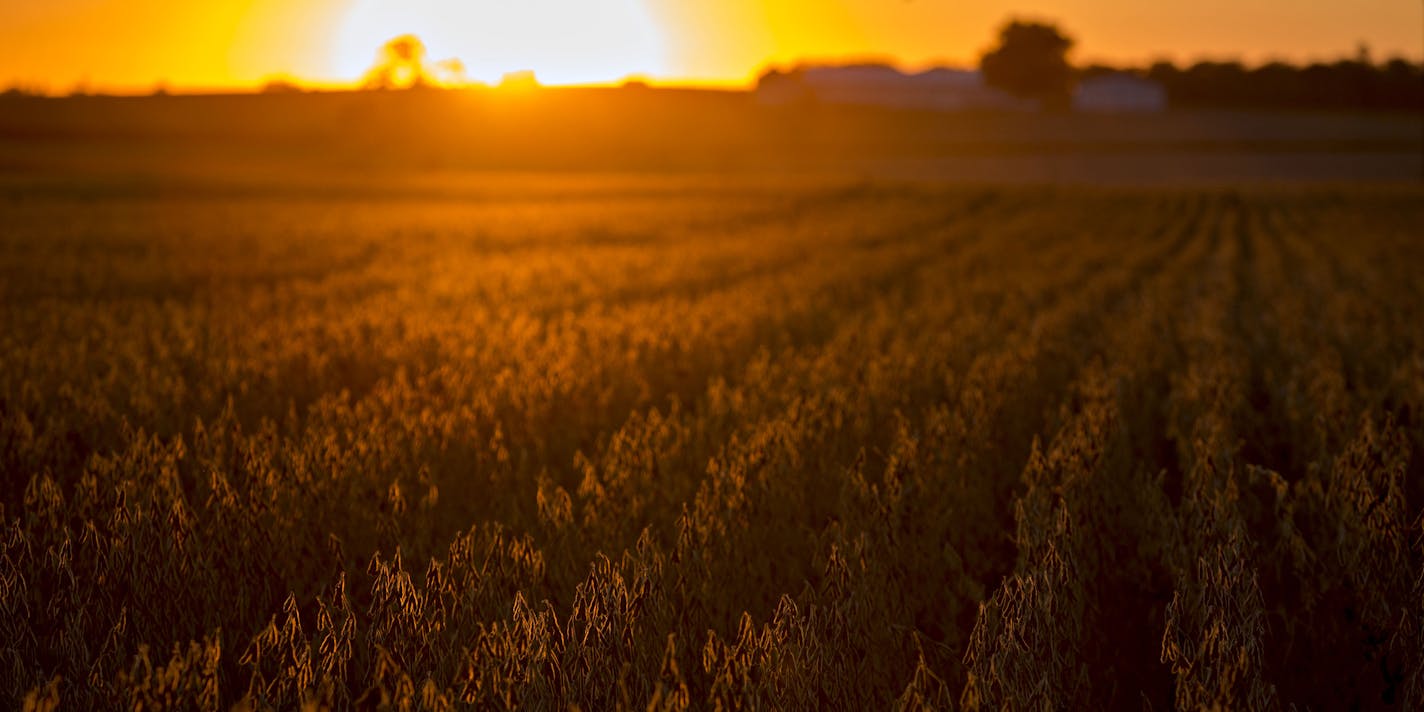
603	442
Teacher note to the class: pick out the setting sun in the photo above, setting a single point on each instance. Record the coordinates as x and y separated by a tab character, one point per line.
561	41
135	45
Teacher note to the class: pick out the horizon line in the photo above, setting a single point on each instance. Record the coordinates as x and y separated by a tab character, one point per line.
748	82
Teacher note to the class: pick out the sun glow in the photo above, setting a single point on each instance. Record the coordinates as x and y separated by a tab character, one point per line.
561	41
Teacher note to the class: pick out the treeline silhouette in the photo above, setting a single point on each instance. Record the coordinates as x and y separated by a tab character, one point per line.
1346	84
1031	59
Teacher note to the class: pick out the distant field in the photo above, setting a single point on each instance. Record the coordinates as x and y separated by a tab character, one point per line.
621	442
640	130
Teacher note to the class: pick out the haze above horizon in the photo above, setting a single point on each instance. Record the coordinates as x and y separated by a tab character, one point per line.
135	44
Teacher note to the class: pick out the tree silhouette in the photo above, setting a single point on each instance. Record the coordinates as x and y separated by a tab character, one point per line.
1031	61
400	65
1347	84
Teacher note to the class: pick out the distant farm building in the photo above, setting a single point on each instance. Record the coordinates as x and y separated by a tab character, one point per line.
876	85
1119	93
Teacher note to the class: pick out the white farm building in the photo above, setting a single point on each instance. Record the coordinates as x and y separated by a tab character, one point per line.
1119	93
876	85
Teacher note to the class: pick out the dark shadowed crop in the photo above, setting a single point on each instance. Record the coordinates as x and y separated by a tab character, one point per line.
611	444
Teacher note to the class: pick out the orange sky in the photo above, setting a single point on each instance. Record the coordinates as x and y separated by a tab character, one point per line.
134	44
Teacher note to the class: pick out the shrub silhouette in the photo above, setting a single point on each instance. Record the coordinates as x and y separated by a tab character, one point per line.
400	65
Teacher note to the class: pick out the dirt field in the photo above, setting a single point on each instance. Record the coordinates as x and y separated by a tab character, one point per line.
671	131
